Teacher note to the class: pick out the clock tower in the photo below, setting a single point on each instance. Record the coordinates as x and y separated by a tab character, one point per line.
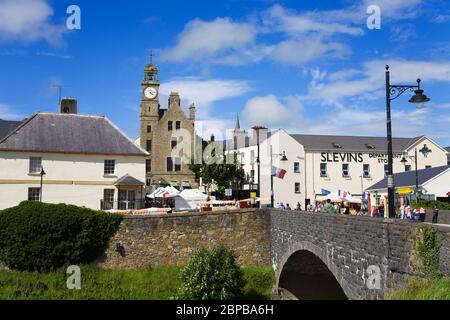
149	111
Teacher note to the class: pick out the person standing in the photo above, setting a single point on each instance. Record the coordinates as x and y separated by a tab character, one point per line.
402	211
435	214
288	207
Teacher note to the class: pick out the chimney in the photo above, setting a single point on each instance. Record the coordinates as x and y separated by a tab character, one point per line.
192	112
68	105
174	100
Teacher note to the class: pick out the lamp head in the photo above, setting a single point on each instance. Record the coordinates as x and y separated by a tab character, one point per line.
283	157
403	160
42	172
419	98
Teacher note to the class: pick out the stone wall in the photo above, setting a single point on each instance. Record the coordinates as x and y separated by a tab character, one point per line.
443	217
349	245
171	239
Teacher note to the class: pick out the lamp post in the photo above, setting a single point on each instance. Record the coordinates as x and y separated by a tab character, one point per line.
42	174
283	158
404	161
258	160
392	93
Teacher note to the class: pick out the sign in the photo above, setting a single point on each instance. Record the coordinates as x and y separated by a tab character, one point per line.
253	195
349	157
407	190
228	192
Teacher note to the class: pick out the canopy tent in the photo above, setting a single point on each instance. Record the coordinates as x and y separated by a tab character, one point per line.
189	199
163	192
335	197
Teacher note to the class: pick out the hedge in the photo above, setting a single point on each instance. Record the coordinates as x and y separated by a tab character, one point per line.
43	237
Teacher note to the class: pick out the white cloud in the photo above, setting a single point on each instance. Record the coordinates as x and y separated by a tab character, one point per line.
211	39
28	20
269	111
371	78
204	92
8	113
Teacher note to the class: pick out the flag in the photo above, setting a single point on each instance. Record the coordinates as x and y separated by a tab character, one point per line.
277	172
363	196
325	192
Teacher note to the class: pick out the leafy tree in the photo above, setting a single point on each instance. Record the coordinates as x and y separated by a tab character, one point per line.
220	172
212	275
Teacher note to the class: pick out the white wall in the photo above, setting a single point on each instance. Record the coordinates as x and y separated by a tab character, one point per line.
70	178
439	186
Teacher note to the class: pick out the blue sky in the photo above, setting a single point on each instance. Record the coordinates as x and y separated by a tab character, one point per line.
306	66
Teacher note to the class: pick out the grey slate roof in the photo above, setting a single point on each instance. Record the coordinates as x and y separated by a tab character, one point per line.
408	179
69	133
7	126
128	180
352	143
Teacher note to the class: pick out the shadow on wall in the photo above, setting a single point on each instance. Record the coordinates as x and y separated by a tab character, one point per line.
308	278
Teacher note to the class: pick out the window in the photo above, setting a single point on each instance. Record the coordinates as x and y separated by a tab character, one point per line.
386	169
323	169
110	166
366	170
345	170
173	142
296	167
169	164
148	166
148	182
170	125
149	146
427	167
177	164
297	187
34	194
108	195
35	165
178	125
408	167
149	128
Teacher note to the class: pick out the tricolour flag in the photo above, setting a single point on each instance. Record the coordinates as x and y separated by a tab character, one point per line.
278	172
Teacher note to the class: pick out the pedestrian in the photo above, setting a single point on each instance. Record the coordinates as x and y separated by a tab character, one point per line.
282	207
288	207
329	208
336	208
435	214
298	207
402	211
346	209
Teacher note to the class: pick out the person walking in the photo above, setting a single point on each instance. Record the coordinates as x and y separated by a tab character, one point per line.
288	207
435	214
329	208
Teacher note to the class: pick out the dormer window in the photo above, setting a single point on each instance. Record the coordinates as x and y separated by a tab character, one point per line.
369	146
336	145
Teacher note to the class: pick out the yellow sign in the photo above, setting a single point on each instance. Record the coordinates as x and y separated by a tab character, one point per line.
253	195
408	190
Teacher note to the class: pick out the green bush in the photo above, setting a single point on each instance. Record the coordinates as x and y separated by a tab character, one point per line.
37	236
259	282
429	204
211	275
428	249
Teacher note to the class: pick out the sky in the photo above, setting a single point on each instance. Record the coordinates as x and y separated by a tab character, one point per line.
305	66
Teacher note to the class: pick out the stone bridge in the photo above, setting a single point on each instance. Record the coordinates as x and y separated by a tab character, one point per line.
314	255
323	256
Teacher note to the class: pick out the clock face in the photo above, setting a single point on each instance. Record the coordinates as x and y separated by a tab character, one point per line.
150	92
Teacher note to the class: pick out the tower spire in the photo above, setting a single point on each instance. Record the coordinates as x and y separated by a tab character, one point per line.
151	55
238	125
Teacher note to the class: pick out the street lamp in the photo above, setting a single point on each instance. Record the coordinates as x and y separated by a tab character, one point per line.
392	93
404	161
42	174
258	160
283	158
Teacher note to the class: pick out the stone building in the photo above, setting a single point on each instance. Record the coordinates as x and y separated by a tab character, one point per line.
168	135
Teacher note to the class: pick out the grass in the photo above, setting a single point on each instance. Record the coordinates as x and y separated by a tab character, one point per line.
96	284
424	289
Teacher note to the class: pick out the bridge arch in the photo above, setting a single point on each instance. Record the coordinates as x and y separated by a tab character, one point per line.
315	257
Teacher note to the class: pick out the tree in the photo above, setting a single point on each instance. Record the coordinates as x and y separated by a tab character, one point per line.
220	172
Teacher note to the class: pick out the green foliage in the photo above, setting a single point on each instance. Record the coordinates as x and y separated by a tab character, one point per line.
159	283
428	249
429	204
216	170
211	275
37	236
259	282
424	289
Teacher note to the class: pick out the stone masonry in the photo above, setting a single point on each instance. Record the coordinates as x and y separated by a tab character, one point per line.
171	239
